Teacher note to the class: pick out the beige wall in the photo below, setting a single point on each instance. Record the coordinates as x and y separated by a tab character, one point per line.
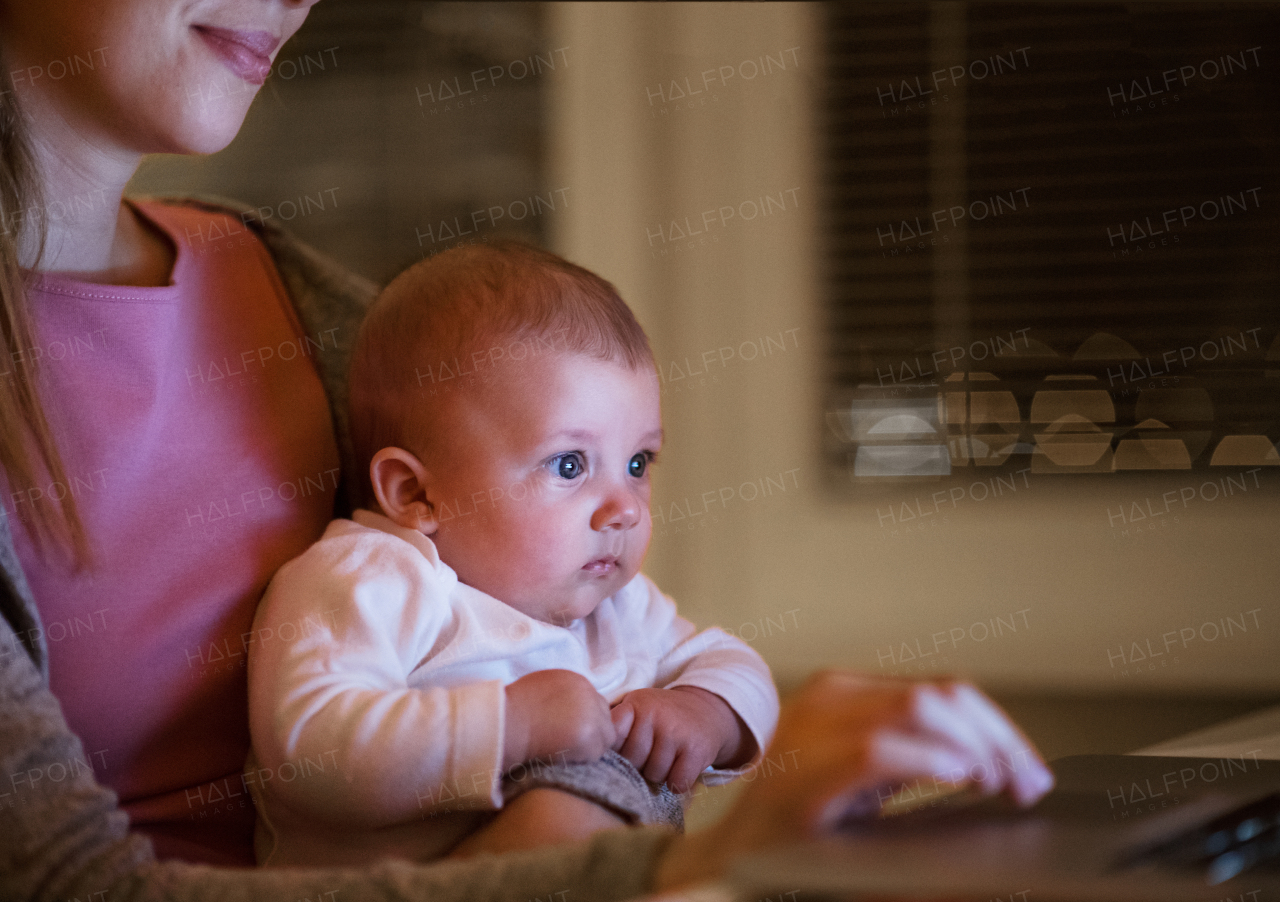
817	578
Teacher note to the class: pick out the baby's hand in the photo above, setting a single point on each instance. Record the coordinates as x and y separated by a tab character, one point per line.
555	713
673	735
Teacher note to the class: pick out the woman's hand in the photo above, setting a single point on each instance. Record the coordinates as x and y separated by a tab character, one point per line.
849	740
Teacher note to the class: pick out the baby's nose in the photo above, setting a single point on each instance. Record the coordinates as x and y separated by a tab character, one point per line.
618	510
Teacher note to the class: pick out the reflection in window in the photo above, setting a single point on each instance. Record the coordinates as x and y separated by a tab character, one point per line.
1083	414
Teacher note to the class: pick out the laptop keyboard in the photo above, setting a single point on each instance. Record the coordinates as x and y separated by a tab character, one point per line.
1246	838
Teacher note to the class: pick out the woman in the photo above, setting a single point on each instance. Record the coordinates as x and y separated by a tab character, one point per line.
173	432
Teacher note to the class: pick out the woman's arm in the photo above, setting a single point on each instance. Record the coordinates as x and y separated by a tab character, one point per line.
62	835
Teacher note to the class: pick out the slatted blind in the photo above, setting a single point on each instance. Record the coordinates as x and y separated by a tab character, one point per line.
1051	231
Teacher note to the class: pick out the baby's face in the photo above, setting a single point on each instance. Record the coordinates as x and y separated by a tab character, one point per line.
540	481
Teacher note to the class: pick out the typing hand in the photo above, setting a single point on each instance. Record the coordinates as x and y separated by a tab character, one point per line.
555	714
854	737
673	735
860	738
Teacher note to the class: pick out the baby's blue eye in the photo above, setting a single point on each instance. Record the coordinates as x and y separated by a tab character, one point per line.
637	465
568	466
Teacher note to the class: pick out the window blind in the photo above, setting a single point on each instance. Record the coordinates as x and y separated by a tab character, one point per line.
1049	238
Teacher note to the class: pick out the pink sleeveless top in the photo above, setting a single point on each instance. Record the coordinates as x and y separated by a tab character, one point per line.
199	447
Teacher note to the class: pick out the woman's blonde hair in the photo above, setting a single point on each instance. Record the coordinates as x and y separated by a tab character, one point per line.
26	443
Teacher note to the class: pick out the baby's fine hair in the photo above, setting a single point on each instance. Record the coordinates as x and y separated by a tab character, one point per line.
466	309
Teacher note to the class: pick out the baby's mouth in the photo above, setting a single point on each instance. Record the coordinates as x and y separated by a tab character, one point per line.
602	566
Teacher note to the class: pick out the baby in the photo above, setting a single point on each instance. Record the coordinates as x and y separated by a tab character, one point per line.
478	637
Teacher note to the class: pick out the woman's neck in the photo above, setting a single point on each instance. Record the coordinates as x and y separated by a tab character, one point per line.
91	234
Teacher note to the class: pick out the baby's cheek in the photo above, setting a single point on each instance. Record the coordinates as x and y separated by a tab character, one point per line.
643	535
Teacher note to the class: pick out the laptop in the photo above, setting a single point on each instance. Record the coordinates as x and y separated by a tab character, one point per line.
1116	828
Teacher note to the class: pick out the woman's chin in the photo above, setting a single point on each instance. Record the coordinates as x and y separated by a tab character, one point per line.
198	116
209	131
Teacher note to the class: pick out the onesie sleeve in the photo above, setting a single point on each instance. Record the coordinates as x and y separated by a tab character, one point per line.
712	660
336	636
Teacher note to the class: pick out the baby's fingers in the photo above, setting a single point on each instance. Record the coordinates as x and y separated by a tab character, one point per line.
657	768
638	743
686	769
623	716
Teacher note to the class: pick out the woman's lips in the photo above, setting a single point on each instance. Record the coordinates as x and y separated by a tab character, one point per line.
245	53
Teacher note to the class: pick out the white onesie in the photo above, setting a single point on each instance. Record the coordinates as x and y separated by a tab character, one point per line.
376	698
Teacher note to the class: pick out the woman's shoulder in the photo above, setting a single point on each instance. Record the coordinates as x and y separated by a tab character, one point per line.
310	275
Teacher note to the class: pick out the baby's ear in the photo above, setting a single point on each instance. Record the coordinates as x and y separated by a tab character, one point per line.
400	483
